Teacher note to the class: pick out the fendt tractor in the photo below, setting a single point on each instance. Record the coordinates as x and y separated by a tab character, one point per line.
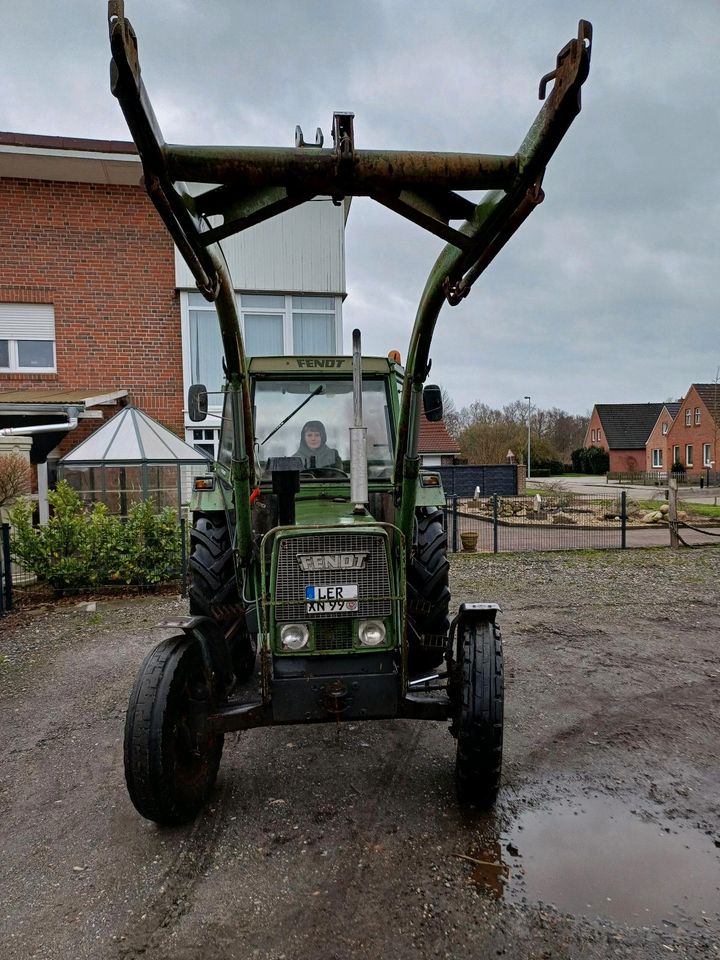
319	571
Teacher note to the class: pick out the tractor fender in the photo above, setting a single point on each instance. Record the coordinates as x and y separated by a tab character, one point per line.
471	613
478	611
217	663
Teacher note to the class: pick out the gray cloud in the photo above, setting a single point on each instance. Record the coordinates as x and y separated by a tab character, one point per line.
607	293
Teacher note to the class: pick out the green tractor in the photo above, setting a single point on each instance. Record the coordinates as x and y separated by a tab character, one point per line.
319	572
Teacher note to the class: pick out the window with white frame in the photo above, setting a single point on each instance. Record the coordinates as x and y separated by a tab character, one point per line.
665	427
27	338
273	325
707	456
676	454
592	436
688	455
688	417
313	325
205	440
697	415
657	457
599	435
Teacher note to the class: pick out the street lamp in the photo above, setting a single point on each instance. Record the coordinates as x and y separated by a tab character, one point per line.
528	456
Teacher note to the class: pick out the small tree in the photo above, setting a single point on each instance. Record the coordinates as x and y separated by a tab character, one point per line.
15	476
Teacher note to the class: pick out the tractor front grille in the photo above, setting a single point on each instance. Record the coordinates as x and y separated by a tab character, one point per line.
333	635
373	580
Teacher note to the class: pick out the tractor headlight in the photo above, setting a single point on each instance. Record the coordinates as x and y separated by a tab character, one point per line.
371	633
294	636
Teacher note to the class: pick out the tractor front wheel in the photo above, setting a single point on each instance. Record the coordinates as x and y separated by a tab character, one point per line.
170	764
479	722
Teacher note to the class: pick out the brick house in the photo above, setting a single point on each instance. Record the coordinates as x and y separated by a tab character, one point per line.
622	429
692	439
96	304
658	455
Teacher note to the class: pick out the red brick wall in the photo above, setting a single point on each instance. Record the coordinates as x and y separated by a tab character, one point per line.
595	436
100	254
658	441
627	461
696	434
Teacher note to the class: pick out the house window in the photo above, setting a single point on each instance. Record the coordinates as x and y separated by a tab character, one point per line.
273	325
204	440
592	436
688	417
263	319
697	415
657	457
313	325
665	427
676	454
599	435
688	455
707	458
27	338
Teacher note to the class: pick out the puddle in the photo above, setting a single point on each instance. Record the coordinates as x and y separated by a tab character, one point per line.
593	857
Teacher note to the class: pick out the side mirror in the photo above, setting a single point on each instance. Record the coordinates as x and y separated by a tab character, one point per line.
197	402
432	403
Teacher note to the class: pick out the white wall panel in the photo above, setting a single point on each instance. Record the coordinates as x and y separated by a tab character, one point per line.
300	251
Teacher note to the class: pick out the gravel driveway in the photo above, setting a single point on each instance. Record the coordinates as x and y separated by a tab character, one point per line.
335	842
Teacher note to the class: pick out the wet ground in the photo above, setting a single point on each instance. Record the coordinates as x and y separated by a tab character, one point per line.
333	842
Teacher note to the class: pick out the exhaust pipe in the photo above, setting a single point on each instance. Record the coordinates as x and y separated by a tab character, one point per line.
358	436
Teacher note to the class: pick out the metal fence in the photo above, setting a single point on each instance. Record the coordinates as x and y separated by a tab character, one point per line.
18	587
659	478
567	521
6	580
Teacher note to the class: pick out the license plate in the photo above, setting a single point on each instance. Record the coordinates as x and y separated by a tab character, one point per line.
331	598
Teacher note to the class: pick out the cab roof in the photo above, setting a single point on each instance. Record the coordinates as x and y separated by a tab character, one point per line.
297	366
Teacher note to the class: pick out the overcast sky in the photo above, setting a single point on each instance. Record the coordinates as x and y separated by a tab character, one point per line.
608	293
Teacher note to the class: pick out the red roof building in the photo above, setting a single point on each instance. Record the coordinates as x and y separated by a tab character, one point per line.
436	447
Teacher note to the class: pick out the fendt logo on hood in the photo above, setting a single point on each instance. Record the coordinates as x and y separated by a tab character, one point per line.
332	561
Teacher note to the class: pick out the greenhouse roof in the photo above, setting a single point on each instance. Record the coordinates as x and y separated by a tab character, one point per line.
132	437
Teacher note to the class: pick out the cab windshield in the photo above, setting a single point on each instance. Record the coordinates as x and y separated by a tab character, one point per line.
318	416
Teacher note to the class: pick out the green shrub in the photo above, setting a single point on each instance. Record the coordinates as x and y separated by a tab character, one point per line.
590	460
80	547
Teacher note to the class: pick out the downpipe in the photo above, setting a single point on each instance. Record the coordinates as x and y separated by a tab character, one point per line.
72	422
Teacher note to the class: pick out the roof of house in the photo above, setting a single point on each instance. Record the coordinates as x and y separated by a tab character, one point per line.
434	438
673	408
709	393
628	425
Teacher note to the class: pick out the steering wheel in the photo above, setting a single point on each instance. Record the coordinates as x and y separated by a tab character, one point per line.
319	472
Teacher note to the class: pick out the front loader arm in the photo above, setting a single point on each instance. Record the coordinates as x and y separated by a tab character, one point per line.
252	184
491	224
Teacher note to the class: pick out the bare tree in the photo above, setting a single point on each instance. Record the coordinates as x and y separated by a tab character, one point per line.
15	477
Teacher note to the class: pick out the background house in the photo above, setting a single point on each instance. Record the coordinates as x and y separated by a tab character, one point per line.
436	447
693	436
623	429
95	303
658	455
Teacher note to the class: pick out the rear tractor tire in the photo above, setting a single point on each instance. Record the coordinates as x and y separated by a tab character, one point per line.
428	592
170	765
479	719
213	588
